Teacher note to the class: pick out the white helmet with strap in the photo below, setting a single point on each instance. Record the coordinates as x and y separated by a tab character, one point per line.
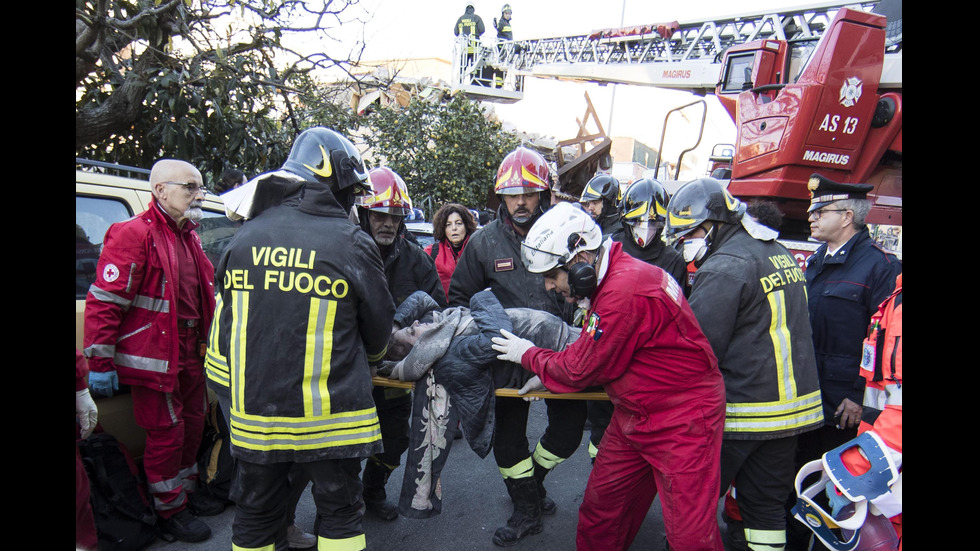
557	236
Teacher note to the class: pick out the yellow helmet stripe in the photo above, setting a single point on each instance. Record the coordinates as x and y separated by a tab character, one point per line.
638	211
503	179
527	175
327	170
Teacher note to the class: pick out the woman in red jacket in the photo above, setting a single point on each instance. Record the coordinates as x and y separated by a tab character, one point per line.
452	227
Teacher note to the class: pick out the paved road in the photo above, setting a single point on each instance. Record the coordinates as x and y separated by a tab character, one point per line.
475	503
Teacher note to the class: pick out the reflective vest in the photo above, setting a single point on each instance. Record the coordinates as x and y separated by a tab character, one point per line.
881	366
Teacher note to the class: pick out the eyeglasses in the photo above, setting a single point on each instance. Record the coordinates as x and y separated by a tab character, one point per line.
191	187
820	212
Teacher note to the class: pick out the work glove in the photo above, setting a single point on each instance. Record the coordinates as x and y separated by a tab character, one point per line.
533	384
103	384
86	411
510	346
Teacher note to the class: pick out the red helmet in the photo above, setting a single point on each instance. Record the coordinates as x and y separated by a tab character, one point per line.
522	171
389	193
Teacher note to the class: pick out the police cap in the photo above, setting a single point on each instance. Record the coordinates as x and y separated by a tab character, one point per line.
824	191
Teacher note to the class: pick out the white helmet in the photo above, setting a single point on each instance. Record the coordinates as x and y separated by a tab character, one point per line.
558	235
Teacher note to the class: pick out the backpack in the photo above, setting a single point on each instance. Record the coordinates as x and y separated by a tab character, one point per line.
124	517
214	461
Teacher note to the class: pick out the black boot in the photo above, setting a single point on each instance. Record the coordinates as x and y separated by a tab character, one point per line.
526	519
375	477
548	505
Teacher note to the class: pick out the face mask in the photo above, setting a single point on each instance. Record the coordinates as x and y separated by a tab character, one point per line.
645	232
694	249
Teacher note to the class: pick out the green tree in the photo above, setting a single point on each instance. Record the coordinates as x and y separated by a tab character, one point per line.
210	81
446	152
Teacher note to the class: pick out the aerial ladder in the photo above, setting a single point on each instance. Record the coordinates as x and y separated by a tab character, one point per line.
816	88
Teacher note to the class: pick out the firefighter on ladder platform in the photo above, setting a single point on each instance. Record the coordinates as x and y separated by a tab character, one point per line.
470	25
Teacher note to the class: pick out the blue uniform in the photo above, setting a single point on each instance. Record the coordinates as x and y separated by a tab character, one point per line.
844	291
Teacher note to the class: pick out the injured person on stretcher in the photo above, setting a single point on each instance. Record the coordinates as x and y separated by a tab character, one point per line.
450	355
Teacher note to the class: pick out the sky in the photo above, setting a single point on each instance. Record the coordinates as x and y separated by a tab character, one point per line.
396	29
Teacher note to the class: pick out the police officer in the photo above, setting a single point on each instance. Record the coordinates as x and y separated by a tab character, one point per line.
749	296
493	259
847	278
407	269
302	310
600	198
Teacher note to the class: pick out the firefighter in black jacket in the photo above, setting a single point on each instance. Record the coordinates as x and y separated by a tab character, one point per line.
600	199
492	258
302	311
407	269
749	296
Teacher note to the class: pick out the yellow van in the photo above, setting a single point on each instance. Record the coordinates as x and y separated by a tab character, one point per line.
107	193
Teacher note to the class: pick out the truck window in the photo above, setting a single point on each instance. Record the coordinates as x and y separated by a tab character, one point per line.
93	216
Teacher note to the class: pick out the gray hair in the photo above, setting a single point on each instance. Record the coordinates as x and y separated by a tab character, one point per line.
860	207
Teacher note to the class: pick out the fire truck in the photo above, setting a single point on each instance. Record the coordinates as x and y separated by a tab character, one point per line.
812	89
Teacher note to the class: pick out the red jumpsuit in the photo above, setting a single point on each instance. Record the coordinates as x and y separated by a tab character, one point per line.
643	343
136	324
883	393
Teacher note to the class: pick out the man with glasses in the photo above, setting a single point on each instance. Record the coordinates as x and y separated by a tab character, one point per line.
146	318
847	278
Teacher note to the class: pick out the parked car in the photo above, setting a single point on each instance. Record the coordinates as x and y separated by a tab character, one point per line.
422	232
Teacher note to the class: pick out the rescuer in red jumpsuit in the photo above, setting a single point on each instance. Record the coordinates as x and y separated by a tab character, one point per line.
643	343
146	318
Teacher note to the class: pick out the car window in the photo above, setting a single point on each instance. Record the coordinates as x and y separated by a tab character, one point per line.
216	230
93	216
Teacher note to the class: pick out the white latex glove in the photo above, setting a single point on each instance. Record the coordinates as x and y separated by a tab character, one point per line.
532	385
510	346
87	412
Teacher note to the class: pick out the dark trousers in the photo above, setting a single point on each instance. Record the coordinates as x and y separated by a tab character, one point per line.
763	474
566	420
394	407
261	493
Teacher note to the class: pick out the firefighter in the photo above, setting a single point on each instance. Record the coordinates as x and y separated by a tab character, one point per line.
303	310
643	344
144	320
407	269
600	198
749	296
470	25
643	210
504	30
492	259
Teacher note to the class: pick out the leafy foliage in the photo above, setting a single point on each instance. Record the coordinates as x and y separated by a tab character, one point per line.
216	83
213	82
445	152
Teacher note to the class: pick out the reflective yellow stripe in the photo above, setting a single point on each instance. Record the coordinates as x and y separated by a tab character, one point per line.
524	469
270	547
765	540
319	350
781	344
236	348
545	458
356	543
215	363
288	433
772	416
593	450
